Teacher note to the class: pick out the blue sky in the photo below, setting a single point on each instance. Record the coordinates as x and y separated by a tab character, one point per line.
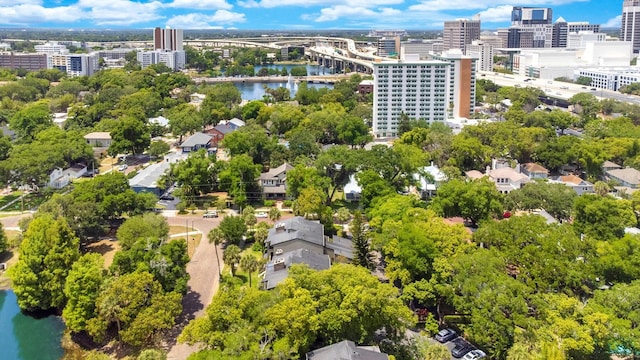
286	14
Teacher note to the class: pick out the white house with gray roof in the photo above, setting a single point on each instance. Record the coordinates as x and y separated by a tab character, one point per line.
277	269
627	177
196	142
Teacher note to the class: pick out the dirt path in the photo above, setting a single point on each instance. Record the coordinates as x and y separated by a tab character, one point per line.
203	283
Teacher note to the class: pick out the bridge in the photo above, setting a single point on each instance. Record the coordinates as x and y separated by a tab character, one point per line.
319	79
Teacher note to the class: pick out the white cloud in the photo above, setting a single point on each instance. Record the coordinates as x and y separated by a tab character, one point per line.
615	22
309	3
121	12
203	21
443	5
340	11
26	14
496	14
200	4
11	3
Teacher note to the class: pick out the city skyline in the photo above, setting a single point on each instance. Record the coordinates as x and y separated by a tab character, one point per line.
287	14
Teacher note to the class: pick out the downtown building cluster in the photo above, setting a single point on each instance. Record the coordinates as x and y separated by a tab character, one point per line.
167	50
434	80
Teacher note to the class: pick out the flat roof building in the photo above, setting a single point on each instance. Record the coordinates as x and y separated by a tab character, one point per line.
457	34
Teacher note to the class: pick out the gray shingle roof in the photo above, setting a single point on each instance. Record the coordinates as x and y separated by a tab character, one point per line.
273	277
346	350
149	176
273	173
196	139
296	228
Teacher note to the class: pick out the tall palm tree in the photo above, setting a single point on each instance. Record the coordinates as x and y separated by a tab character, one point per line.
601	188
231	256
217	237
250	264
274	214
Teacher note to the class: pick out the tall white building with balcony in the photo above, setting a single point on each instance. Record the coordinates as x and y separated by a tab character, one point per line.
418	89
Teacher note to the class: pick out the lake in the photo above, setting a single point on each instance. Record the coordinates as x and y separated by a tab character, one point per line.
255	91
24	337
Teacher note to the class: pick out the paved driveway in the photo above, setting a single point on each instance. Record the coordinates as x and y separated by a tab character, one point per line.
203	283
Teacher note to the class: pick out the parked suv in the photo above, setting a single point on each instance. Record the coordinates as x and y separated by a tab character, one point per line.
445	335
210	214
461	348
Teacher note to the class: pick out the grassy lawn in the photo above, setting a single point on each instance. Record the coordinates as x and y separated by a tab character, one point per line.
107	164
31	201
9	257
243	275
192	242
4	200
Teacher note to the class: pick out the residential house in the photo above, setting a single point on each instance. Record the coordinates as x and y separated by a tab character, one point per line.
293	234
159	121
535	171
60	119
609	165
196	99
627	177
234	123
347	350
196	142
146	180
59	178
277	269
299	233
352	190
429	179
218	132
274	182
98	139
507	179
576	183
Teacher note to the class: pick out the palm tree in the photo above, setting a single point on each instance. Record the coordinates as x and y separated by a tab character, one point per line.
231	256
274	214
217	237
601	188
249	264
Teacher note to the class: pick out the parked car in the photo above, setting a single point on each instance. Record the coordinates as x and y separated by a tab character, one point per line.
123	167
167	197
474	355
445	335
461	348
262	215
210	214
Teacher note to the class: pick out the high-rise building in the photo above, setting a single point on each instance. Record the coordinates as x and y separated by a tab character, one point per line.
530	16
483	52
74	64
30	62
389	47
175	60
562	29
418	89
462	83
51	48
459	33
630	29
167	39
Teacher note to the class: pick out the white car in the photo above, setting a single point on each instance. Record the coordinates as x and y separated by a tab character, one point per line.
474	355
123	167
262	215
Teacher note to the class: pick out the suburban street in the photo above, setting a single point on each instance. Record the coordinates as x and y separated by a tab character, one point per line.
554	88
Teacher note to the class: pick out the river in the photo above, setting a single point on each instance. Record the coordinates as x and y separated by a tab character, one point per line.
25	337
255	91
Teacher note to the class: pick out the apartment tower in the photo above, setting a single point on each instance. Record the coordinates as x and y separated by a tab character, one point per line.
459	33
630	30
167	39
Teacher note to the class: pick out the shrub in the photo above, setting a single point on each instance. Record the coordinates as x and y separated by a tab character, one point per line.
269	203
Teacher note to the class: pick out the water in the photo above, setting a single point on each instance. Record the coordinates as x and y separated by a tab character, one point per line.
24	337
255	91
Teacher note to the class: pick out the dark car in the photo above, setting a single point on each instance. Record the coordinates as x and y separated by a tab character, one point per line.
461	348
445	335
167	197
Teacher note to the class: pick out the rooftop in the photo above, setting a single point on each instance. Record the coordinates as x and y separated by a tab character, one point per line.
196	139
535	168
628	175
296	228
149	176
274	172
347	350
98	136
278	269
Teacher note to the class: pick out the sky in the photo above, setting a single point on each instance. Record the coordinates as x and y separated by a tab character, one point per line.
286	14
